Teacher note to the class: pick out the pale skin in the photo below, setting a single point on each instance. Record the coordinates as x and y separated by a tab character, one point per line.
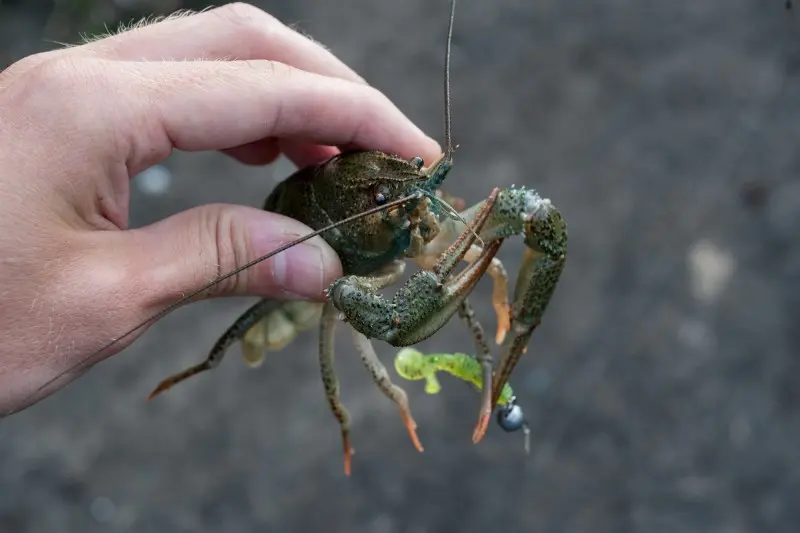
77	123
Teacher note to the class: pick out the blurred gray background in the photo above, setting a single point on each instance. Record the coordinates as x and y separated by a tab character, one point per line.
663	388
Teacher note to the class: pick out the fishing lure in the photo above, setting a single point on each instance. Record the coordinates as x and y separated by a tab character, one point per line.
413	365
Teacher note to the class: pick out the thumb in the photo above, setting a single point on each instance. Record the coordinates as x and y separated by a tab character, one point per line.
184	252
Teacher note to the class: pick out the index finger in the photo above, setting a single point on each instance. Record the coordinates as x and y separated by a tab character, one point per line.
212	105
233	31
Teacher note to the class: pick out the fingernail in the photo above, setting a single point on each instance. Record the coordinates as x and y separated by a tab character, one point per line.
300	271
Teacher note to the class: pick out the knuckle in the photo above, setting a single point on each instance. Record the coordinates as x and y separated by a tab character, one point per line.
374	107
247	16
60	72
273	70
374	100
67	81
263	35
376	96
280	70
231	252
26	64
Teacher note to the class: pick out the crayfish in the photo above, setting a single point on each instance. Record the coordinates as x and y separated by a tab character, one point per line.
376	210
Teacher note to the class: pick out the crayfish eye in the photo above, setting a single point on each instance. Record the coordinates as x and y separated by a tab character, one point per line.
417	162
382	194
511	418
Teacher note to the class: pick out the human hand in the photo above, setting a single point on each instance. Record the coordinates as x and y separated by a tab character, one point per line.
77	123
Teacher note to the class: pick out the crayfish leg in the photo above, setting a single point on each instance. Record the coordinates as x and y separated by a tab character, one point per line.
381	378
384	277
237	330
253	344
499	276
500	299
331	383
484	357
180	376
500	303
278	329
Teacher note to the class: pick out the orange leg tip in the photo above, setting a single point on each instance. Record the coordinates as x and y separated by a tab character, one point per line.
348	454
411	426
158	390
503	324
415	439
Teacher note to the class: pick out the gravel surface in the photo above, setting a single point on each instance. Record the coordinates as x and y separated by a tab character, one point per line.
663	388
